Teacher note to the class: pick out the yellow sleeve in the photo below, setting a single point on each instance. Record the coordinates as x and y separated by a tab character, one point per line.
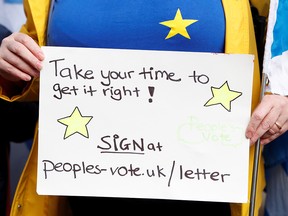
35	26
37	13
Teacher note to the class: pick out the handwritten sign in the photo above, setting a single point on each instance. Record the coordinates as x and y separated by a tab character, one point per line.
144	124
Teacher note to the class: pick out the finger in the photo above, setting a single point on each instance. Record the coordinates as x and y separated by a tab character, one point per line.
265	141
257	117
31	45
259	124
269	137
272	131
265	126
21	65
18	49
267	123
12	73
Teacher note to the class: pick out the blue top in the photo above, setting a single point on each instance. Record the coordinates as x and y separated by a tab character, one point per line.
276	152
182	25
280	34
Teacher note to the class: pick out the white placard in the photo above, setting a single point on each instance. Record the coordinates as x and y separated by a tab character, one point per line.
144	124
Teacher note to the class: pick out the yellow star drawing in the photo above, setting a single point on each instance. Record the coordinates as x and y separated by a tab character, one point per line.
76	123
178	25
223	96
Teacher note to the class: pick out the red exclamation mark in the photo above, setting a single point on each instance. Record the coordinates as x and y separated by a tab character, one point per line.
151	92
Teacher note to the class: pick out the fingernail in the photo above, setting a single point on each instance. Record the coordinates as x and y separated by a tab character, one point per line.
248	135
41	56
39	65
27	78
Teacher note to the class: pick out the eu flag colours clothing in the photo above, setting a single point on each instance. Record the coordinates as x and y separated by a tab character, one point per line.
140	24
151	25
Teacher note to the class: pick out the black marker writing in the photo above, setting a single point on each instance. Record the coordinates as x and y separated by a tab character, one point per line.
72	73
113	75
158	74
117	144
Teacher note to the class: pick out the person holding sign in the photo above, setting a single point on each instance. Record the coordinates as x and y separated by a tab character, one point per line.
17	119
275	153
194	26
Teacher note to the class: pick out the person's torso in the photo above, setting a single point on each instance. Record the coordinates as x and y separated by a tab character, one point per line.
185	25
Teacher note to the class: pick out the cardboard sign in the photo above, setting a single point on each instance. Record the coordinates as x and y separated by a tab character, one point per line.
144	124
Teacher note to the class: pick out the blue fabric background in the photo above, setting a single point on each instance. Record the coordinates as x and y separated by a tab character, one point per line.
276	152
13	1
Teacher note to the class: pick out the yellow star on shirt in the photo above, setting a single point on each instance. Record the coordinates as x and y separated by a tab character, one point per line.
223	96
178	25
76	123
